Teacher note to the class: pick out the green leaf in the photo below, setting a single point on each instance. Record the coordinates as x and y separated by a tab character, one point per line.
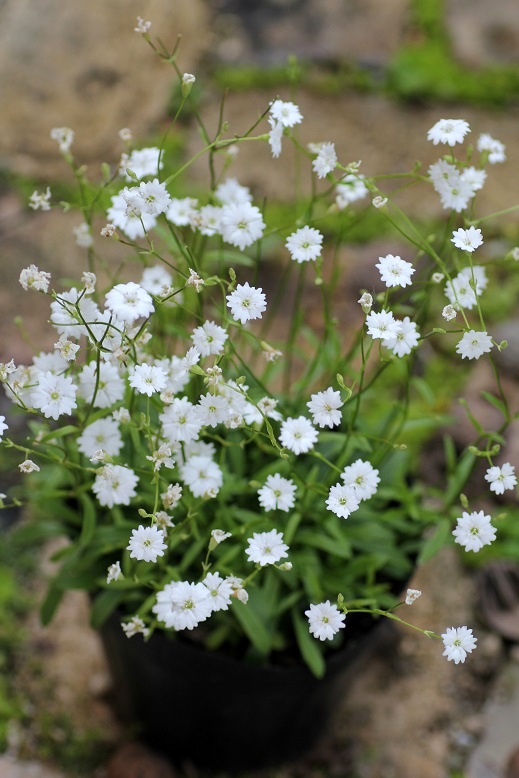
229	258
252	625
68	429
435	542
89	519
50	604
459	477
498	404
308	646
324	543
104	605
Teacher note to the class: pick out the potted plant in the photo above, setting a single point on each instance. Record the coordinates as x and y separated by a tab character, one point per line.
240	490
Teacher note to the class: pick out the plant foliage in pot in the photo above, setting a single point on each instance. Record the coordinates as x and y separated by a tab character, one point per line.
237	471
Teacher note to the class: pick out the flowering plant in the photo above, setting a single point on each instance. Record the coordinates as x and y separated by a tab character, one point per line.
226	471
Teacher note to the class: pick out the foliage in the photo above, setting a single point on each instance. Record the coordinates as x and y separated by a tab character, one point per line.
174	400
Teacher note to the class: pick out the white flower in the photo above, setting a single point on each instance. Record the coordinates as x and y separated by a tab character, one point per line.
379	202
114	573
142	26
146	543
172	496
64	136
352	188
500	478
203	476
275	137
412	595
382	325
241	225
237	589
6	369
342	500
54	395
115	485
218	535
324	620
182	212
142	162
150	197
474	344
277	493
457	196
405	340
305	244
449	312
208	220
474	530
83	236
266	548
476	178
103	433
362	477
325	161
40	201
212	409
395	271
366	302
209	338
134	627
106	390
133	224
89	282
467	240
455	189
3	426
458	642
155	280
220	591
129	302
288	114
469	282
183	605
495	148
246	303
230	192
161	457
180	421
28	466
195	280
298	435
109	230
148	379
324	407
68	311
188	78
450	131
32	278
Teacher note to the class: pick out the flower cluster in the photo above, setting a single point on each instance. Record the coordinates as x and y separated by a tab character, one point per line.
222	468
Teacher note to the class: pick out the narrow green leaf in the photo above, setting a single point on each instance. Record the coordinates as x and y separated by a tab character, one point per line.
50	604
104	605
436	542
252	625
89	519
308	646
459	477
62	432
498	404
324	543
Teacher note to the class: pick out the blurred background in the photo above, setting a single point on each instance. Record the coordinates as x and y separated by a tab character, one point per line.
370	75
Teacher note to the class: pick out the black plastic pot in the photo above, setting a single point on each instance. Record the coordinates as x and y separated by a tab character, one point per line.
220	713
